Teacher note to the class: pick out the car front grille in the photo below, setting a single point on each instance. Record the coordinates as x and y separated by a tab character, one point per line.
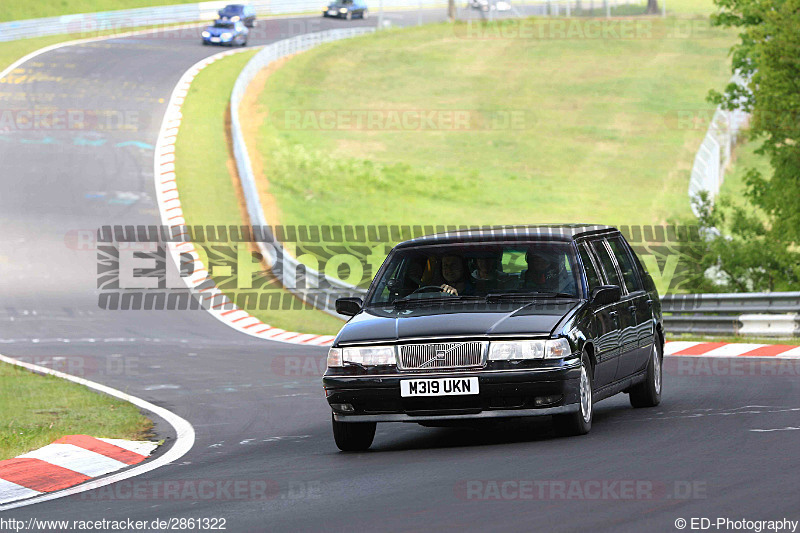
432	356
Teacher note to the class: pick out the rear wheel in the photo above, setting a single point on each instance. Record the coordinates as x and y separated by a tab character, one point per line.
648	393
579	422
353	436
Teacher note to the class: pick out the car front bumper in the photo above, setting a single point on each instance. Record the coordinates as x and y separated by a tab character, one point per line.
502	393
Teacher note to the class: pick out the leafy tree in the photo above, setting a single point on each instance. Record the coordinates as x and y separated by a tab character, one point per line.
761	252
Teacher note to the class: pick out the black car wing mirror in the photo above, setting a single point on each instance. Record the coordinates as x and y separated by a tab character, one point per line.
605	294
348	306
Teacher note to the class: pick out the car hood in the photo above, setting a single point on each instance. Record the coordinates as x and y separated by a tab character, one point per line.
216	32
389	325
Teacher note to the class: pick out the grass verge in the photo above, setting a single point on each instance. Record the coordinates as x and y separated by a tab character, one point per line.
36	410
209	190
53	8
599	136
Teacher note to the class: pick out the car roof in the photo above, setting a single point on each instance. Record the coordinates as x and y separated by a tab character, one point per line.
547	232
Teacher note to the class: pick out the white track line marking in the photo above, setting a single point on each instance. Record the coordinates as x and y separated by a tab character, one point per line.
184	440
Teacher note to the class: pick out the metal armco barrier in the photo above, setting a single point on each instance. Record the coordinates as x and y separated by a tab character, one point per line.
88	24
317	289
775	314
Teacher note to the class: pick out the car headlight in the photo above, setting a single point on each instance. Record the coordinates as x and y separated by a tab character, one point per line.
206	34
342	10
226	35
516	350
334	357
366	356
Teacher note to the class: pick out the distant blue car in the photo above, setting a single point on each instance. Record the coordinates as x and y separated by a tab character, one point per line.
244	12
226	32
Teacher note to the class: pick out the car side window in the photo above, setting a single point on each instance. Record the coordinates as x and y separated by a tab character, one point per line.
606	263
625	262
591	274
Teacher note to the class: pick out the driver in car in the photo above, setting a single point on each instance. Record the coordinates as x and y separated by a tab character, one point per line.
454	272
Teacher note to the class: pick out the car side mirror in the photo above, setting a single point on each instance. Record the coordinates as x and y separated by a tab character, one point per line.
348	306
606	294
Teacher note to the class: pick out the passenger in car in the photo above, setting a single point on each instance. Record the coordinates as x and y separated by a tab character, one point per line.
488	276
541	275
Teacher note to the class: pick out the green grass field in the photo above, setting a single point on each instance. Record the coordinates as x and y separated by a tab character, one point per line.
599	140
36	410
53	8
207	192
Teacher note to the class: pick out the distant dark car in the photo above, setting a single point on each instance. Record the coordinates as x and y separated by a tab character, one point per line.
503	322
346	9
226	32
235	12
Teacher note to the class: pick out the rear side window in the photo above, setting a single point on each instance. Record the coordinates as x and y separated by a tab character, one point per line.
591	274
625	262
612	278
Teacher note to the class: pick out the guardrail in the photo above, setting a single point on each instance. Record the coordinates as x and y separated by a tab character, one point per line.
317	289
84	24
774	314
714	154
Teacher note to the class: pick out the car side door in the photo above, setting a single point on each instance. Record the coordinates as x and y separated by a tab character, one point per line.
606	322
625	320
641	302
632	306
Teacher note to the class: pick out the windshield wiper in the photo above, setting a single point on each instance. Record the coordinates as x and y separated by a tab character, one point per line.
527	296
436	300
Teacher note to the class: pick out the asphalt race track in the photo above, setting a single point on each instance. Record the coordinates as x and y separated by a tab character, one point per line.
697	455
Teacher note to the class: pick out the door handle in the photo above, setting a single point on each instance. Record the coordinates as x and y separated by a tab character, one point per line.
649	303
632	309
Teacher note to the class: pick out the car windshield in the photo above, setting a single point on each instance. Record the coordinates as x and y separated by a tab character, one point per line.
478	271
232	10
223	24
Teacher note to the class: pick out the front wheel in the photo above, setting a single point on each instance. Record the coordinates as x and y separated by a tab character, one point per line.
579	422
648	393
353	436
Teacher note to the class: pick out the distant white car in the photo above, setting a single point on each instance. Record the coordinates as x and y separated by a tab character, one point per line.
502	6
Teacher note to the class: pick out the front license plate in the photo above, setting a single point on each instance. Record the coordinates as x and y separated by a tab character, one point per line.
215	39
438	387
332	12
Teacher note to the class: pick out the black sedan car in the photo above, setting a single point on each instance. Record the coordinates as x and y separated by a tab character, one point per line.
346	9
501	322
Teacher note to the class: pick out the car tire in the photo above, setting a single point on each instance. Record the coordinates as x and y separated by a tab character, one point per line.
353	436
648	393
579	422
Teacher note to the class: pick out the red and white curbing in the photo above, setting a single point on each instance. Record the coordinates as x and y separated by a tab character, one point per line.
725	349
67	462
169	205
